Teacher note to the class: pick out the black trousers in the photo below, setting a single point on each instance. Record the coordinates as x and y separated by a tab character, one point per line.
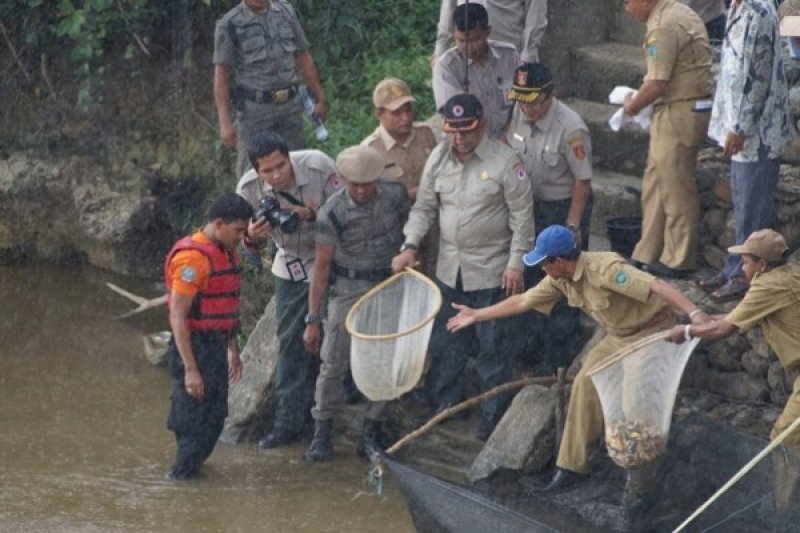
197	424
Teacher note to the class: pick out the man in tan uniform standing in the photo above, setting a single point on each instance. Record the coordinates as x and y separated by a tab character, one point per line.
408	144
773	303
481	194
627	303
677	84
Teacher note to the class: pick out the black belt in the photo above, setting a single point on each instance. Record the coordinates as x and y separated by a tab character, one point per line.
276	96
378	274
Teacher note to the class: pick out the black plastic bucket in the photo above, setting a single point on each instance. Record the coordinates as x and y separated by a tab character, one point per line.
624	233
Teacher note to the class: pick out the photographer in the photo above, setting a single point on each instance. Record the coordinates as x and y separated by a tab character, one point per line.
286	190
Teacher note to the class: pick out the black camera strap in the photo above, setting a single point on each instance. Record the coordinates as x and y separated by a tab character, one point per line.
290	198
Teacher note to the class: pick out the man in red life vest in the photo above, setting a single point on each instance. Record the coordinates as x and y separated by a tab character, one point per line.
203	278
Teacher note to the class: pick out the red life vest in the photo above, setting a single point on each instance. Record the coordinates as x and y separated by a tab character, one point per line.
217	306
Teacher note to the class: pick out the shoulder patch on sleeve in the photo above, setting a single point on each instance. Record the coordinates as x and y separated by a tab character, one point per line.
188	274
650	48
579	151
621	278
336	181
519	172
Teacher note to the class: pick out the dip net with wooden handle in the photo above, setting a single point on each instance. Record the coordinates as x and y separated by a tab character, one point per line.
389	329
637	389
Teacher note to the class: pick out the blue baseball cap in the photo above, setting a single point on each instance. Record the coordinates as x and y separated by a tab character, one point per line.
555	241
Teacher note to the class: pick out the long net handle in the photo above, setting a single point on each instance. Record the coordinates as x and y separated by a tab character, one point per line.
628	350
744	470
466	404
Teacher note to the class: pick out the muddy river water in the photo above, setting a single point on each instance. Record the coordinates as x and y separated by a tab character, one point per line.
83	443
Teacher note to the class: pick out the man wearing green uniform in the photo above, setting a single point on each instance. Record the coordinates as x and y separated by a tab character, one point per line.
261	44
358	231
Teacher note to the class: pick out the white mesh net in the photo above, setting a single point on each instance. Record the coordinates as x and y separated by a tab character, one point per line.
389	328
637	389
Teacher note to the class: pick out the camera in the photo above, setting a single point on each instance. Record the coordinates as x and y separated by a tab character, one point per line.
269	208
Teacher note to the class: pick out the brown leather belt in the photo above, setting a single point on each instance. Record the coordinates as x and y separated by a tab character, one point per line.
277	96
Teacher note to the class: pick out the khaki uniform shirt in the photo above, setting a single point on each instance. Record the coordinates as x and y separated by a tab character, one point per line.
517	22
485	213
773	302
556	150
315	181
676	49
490	82
616	295
366	236
260	47
410	156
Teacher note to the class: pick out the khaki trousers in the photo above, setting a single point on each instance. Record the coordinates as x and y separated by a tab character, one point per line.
787	464
670	201
584	423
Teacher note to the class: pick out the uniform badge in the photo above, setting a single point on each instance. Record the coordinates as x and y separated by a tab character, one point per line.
650	48
519	137
522	77
188	274
484	175
519	171
579	151
458	111
336	181
621	278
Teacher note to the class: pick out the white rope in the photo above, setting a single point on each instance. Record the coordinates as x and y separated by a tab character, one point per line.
744	470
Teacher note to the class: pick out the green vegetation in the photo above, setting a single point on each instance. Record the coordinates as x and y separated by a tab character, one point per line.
355	43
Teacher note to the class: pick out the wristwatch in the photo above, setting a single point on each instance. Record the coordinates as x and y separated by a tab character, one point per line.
408	246
572	227
312	319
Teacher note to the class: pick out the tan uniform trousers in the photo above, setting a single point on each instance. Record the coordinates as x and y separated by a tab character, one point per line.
670	201
335	351
787	465
584	423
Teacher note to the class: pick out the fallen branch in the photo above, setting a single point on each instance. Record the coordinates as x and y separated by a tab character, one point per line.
143	303
14	53
46	76
466	404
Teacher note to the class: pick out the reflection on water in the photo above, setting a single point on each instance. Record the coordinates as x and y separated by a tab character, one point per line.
83	443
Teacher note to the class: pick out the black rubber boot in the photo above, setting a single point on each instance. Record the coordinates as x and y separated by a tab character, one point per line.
370	440
320	448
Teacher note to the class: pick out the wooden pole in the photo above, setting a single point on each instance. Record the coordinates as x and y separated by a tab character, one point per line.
466	404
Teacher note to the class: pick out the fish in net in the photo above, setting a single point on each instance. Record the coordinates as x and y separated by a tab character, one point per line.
637	389
389	329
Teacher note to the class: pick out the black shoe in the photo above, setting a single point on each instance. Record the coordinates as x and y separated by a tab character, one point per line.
321	448
419	421
660	270
370	441
562	479
277	437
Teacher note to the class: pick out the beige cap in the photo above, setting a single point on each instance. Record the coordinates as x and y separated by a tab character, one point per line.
392	94
766	244
364	164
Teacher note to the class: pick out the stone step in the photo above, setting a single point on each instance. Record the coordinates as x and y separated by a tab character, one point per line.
622	151
598	68
627	30
611	200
